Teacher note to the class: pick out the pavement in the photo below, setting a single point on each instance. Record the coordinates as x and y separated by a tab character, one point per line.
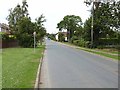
66	67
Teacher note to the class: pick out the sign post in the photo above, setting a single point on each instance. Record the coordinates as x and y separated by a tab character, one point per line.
34	34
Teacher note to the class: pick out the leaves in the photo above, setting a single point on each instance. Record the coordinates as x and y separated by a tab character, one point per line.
22	26
70	23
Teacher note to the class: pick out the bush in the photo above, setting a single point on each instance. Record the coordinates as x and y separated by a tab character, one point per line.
87	44
79	43
61	37
26	40
76	42
6	37
74	38
112	41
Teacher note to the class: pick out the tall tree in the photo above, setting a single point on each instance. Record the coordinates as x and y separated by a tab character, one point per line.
22	26
106	20
40	29
70	22
16	15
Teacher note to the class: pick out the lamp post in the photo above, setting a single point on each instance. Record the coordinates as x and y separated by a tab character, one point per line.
34	34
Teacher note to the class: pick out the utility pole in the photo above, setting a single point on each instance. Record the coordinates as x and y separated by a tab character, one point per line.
92	25
34	34
89	2
95	3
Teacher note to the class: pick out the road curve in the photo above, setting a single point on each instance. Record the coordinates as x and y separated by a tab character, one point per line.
66	67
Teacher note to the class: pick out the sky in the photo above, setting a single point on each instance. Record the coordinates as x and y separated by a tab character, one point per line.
53	10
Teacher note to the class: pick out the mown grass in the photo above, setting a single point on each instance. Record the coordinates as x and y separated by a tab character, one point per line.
19	67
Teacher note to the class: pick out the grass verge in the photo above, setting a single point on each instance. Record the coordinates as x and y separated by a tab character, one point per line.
19	67
102	54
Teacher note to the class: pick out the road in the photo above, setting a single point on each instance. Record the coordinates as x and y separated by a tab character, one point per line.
66	67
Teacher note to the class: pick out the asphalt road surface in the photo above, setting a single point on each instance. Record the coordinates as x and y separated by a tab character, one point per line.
66	67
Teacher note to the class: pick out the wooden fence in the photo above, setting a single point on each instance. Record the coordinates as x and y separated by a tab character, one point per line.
8	44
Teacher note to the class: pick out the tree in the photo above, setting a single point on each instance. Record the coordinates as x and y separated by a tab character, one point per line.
70	22
40	29
22	27
16	15
106	20
25	32
24	9
87	30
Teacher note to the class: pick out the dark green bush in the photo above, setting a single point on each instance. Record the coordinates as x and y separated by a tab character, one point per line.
5	37
26	40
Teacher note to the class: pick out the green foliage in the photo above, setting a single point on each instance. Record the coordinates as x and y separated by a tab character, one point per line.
6	37
109	41
61	37
39	28
105	23
87	30
70	23
80	42
51	36
74	38
22	27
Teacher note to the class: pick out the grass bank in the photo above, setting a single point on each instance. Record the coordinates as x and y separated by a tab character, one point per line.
19	67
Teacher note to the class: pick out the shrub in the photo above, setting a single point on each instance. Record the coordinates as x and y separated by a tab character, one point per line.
112	41
26	40
87	44
79	43
74	38
76	42
61	37
5	37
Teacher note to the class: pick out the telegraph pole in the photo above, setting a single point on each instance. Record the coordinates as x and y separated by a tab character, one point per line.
92	25
89	2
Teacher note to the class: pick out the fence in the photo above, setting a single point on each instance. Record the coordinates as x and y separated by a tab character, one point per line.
8	44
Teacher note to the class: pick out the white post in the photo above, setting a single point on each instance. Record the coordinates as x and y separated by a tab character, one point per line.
34	40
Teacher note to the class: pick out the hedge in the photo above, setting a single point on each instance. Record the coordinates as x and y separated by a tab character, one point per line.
112	41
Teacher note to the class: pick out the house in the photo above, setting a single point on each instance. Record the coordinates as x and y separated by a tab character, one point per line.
56	36
4	28
64	33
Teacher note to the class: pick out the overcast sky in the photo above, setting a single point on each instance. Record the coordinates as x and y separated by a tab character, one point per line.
53	10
